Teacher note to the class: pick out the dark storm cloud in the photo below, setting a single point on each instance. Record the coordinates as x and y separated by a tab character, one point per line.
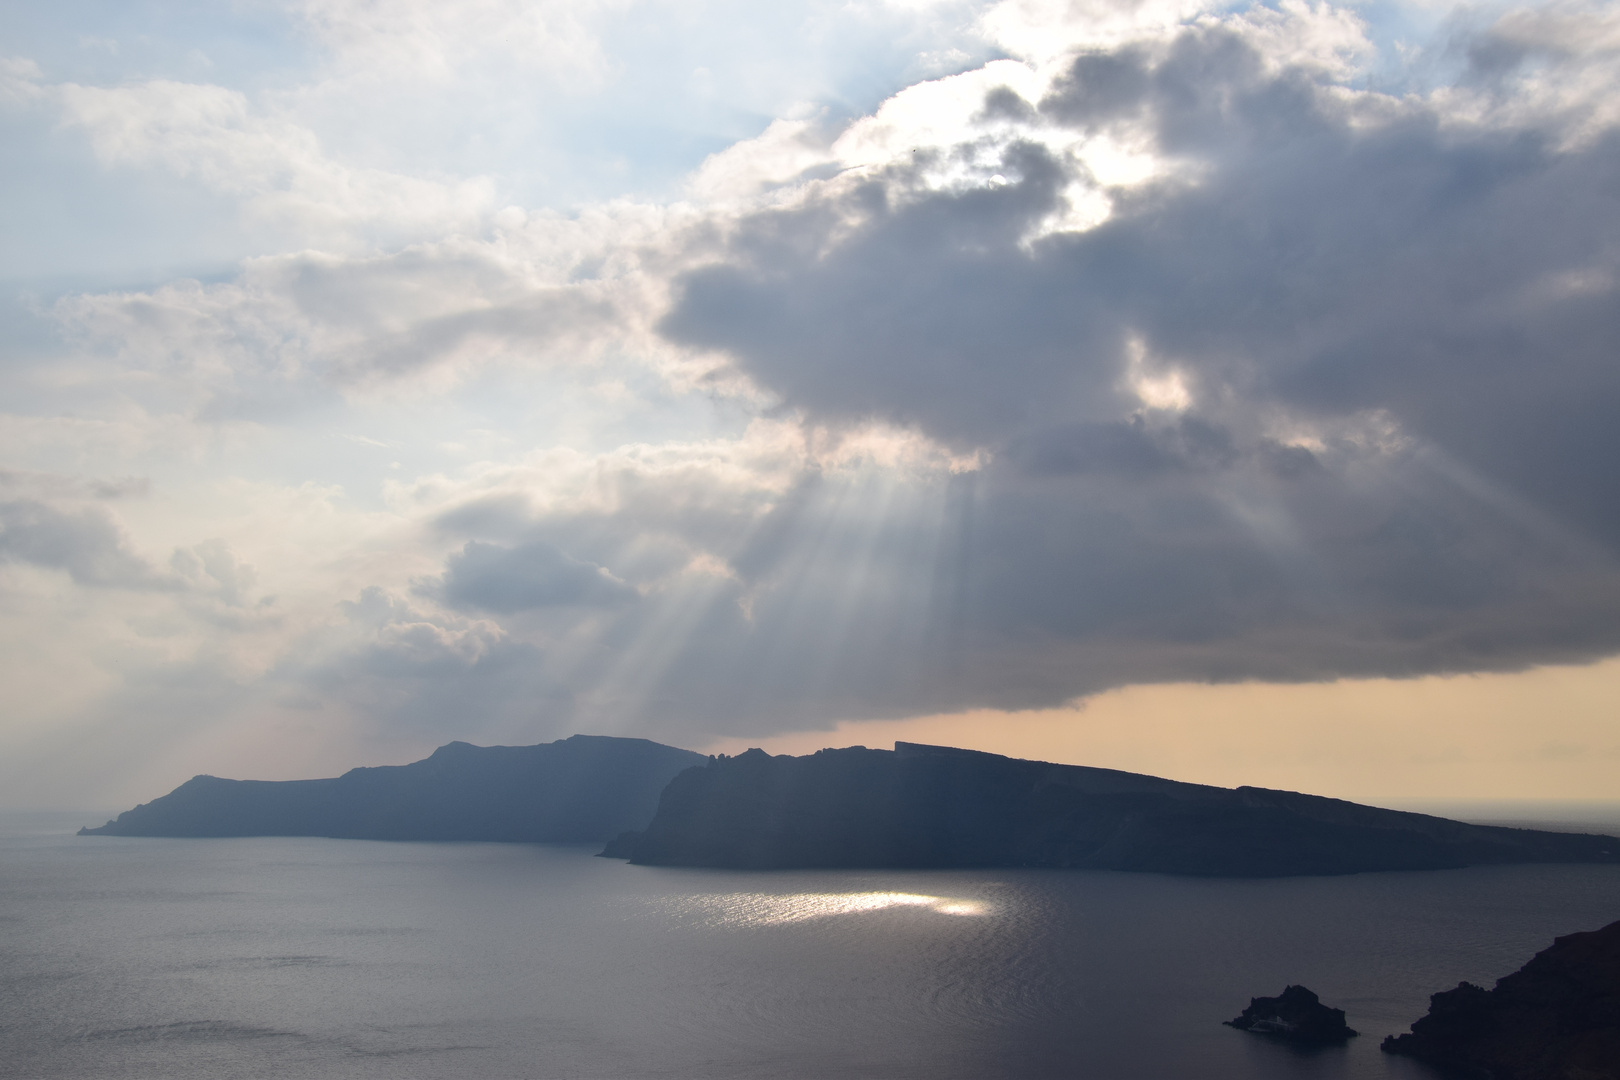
1132	447
1317	264
1433	302
931	314
1019	591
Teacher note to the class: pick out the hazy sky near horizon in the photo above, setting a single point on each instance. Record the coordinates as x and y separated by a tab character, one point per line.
1224	390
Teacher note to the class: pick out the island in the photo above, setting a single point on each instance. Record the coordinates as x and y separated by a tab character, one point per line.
1296	1015
583	789
1556	1018
930	806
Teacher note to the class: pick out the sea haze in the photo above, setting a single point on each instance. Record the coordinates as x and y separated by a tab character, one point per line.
301	957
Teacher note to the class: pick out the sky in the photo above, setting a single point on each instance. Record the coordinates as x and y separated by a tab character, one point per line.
1218	390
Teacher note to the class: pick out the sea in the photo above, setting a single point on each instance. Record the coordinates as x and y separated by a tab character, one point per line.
333	959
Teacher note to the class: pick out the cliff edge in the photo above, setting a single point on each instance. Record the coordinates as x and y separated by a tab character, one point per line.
1556	1018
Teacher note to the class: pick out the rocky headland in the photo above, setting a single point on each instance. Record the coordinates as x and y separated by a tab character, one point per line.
1556	1018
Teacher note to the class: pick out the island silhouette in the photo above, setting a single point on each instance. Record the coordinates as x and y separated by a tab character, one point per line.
932	806
915	806
582	789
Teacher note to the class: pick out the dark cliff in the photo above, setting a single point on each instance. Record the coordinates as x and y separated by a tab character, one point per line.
921	806
582	789
1556	1018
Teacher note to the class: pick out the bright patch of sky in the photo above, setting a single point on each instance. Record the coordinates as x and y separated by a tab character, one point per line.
552	104
548	105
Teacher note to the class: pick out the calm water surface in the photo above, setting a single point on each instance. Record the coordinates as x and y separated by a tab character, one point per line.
293	958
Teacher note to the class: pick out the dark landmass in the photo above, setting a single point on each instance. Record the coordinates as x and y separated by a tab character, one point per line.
1296	1015
925	806
1556	1018
583	789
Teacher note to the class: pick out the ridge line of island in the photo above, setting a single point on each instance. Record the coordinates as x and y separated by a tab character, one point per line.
913	807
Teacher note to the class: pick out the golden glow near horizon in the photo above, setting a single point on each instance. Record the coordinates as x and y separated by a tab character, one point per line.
1547	733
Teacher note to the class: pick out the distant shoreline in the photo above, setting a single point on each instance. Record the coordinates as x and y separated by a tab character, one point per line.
1551	815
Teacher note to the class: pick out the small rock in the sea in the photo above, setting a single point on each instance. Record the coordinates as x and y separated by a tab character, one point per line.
1297	1015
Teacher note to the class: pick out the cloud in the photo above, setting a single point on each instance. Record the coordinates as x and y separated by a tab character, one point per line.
93	547
47	485
1547	65
500	579
425	40
405	670
20	80
87	543
272	163
292	327
214	566
1320	394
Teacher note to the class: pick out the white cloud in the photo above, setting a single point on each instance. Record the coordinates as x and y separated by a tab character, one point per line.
434	40
289	325
214	566
1546	66
1158	386
20	80
782	153
1319	36
275	165
1046	30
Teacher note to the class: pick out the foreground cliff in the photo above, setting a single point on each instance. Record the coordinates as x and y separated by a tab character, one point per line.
922	806
583	789
1556	1018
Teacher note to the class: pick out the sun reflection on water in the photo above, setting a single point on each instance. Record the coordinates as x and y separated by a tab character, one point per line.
774	909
